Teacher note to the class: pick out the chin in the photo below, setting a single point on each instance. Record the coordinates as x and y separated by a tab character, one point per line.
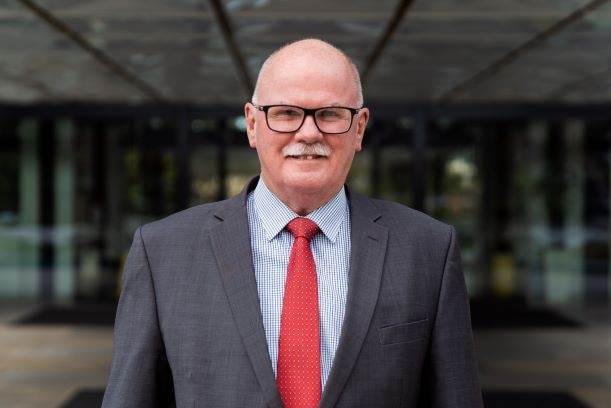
309	186
310	182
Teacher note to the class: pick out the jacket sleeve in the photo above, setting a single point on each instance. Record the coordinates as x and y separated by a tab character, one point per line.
140	375
453	379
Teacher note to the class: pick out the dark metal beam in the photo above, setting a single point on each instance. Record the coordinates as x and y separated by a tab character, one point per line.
238	59
419	148
384	110
390	29
582	82
517	52
46	145
97	53
183	177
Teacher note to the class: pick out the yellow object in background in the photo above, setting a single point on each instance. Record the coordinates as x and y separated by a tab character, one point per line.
503	280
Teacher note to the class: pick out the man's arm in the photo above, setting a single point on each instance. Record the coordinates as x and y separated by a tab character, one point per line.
453	373
140	375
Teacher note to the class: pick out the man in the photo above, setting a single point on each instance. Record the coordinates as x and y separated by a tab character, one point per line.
213	314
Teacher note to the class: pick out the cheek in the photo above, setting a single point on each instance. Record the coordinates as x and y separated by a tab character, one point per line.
347	148
270	149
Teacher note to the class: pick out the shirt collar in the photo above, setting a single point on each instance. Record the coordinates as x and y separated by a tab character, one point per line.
274	214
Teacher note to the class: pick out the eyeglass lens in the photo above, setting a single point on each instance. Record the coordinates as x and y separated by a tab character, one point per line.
290	119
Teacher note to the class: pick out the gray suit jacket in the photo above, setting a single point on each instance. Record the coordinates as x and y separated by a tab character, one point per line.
189	325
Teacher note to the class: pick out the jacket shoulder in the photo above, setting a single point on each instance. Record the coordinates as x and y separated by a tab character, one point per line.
401	219
390	213
187	223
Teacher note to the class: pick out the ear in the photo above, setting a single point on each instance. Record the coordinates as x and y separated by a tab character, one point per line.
361	125
250	119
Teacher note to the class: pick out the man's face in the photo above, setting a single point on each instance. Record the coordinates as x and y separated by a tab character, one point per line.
309	83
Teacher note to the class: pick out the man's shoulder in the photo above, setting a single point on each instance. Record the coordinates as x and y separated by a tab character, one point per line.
397	216
189	221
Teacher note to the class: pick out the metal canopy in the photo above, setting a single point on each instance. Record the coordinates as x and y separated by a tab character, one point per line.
208	52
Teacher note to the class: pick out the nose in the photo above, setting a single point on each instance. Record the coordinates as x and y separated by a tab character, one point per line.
308	132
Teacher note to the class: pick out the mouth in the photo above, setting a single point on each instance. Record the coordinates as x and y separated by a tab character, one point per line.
306	157
306	152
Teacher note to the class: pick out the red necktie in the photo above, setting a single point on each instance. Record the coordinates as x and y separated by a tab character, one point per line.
299	344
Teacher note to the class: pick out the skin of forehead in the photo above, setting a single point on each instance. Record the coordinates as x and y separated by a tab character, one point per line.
310	54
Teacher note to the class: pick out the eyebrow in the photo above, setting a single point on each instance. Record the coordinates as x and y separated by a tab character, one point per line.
335	104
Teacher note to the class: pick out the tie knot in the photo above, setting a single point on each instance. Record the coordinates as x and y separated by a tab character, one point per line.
302	227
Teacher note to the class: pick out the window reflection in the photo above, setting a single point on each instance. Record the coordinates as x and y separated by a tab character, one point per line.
529	197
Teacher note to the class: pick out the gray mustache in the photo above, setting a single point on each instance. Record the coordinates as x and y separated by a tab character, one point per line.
300	149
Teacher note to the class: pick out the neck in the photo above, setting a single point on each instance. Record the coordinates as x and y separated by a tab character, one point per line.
302	202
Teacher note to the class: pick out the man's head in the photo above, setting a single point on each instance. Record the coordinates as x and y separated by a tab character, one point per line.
307	166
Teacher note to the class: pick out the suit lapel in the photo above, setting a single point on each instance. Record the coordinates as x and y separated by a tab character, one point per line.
366	264
231	245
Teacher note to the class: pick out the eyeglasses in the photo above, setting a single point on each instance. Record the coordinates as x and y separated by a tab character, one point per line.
289	119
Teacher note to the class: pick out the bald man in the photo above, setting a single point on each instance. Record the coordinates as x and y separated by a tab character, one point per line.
297	292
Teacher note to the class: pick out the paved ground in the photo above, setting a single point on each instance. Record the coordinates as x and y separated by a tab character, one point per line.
44	366
577	361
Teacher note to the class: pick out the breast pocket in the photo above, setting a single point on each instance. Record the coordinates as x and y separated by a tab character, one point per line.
401	341
404	332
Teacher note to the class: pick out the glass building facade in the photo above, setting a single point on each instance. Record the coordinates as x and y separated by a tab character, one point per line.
527	188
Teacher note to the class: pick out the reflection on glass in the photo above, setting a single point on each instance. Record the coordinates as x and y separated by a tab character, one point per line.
529	198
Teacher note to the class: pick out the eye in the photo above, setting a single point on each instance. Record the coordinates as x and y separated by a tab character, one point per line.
285	112
330	114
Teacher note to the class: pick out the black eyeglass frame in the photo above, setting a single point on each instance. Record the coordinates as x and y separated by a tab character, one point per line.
306	113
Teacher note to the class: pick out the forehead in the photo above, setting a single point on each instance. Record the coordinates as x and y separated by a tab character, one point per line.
316	76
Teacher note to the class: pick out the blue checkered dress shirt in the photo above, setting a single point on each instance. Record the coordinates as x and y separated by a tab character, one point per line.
271	246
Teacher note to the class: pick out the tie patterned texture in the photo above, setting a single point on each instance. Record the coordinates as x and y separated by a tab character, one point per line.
299	344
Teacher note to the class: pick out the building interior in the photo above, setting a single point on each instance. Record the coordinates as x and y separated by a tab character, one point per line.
493	116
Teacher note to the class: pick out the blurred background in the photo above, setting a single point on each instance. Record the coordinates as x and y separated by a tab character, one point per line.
491	115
